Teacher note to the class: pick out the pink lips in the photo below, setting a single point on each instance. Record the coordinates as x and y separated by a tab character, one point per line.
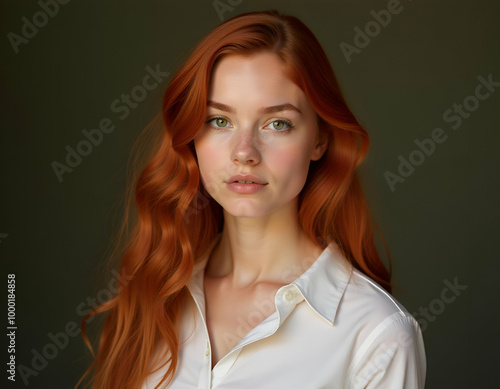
244	188
241	188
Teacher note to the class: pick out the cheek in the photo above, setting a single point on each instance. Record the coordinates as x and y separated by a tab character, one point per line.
290	163
210	163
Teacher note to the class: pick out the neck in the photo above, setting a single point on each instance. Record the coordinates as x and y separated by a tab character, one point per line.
273	248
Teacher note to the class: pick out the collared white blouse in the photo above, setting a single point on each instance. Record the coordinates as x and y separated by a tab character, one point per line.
333	327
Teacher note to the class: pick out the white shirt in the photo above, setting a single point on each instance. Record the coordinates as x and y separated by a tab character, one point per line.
333	327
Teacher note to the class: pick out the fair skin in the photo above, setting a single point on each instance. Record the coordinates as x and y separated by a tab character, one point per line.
262	238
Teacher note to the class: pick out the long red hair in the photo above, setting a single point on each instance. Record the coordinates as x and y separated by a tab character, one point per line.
177	219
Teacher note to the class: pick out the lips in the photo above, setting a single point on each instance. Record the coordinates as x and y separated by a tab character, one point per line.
245	178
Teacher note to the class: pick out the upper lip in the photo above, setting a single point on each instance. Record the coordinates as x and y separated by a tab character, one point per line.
245	177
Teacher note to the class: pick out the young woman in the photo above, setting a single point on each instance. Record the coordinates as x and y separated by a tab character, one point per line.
252	262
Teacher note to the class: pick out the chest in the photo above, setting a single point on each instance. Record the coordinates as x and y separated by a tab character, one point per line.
231	313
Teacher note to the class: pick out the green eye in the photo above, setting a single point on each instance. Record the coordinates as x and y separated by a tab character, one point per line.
278	124
221	122
282	125
217	122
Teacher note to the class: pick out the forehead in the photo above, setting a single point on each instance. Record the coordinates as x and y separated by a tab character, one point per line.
259	77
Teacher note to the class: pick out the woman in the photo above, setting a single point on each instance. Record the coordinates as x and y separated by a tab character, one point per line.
252	263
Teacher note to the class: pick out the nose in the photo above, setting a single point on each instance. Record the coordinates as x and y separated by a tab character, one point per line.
245	150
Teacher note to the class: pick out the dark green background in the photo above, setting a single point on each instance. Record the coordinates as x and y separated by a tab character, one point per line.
439	224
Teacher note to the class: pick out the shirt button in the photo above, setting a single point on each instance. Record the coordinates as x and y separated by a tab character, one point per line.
289	295
207	352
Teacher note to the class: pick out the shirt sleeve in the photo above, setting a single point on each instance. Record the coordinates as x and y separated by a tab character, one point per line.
393	357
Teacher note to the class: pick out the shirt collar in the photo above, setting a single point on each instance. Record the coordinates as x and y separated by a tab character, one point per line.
322	285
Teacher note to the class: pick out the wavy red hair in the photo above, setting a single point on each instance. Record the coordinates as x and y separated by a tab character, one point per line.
177	219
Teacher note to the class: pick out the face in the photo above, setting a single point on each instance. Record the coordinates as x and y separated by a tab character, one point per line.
259	125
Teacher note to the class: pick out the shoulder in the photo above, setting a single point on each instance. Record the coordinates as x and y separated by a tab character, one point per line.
388	340
373	313
369	298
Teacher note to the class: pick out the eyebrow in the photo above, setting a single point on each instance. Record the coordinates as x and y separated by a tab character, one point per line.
262	110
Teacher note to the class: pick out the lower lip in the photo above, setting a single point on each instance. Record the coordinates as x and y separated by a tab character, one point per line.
238	187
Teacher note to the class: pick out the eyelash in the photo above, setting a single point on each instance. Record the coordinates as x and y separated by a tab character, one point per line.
287	122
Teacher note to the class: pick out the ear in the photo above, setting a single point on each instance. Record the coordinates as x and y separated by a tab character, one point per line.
320	145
